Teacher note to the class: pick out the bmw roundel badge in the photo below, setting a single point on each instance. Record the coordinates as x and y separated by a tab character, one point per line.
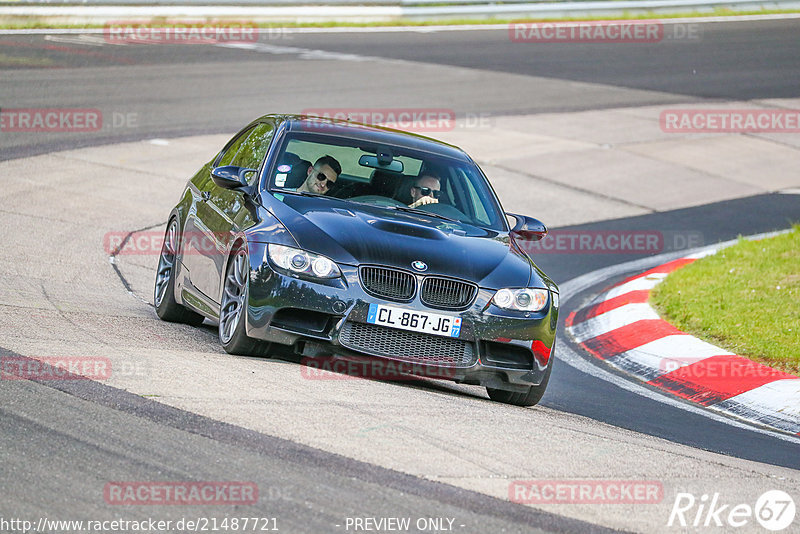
419	265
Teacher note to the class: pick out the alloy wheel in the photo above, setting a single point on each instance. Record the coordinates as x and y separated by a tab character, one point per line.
166	262
233	296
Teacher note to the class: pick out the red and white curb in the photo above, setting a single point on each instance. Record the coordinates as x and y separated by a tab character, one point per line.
621	328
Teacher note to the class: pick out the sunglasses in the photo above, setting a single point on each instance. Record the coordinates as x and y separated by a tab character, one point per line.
427	191
326	182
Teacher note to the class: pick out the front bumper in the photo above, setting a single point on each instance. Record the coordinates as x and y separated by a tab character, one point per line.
496	348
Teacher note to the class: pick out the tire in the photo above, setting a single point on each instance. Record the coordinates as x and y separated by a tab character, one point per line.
528	398
167	308
232	311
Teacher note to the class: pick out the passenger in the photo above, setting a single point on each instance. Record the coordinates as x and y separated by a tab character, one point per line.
426	190
321	176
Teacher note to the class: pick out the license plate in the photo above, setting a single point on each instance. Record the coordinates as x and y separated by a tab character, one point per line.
416	321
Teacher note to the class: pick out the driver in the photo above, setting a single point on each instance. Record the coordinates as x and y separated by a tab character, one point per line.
425	190
321	176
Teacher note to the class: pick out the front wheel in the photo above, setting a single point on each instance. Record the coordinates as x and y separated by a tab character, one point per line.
232	332
167	307
531	397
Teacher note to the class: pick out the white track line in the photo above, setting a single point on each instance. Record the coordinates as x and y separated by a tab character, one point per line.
665	355
569	289
776	403
647	282
611	320
571	358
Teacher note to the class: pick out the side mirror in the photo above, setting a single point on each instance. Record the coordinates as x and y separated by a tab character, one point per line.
231	176
527	228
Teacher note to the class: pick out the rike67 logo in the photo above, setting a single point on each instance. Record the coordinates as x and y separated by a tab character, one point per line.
774	510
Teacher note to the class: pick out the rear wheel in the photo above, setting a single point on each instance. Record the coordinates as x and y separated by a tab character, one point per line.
167	307
232	333
531	397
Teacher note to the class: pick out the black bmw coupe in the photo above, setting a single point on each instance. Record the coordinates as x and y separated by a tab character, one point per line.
342	240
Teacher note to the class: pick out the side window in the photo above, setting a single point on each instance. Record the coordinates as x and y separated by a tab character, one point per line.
252	150
230	152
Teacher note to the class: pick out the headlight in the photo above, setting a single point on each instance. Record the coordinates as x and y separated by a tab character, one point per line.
299	261
525	299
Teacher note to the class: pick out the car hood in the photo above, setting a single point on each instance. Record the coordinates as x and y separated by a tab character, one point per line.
355	234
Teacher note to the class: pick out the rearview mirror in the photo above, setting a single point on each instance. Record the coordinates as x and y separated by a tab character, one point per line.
527	228
383	162
231	176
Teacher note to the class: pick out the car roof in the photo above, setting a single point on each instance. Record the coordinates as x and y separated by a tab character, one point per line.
375	134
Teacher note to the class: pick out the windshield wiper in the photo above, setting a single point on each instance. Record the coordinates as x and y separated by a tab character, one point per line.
300	193
422	212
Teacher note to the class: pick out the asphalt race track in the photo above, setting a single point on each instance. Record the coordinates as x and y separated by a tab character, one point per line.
321	452
186	90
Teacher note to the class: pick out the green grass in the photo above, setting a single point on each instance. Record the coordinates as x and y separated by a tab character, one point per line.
745	298
20	22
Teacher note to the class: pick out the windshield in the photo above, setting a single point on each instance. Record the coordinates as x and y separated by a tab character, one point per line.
388	177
